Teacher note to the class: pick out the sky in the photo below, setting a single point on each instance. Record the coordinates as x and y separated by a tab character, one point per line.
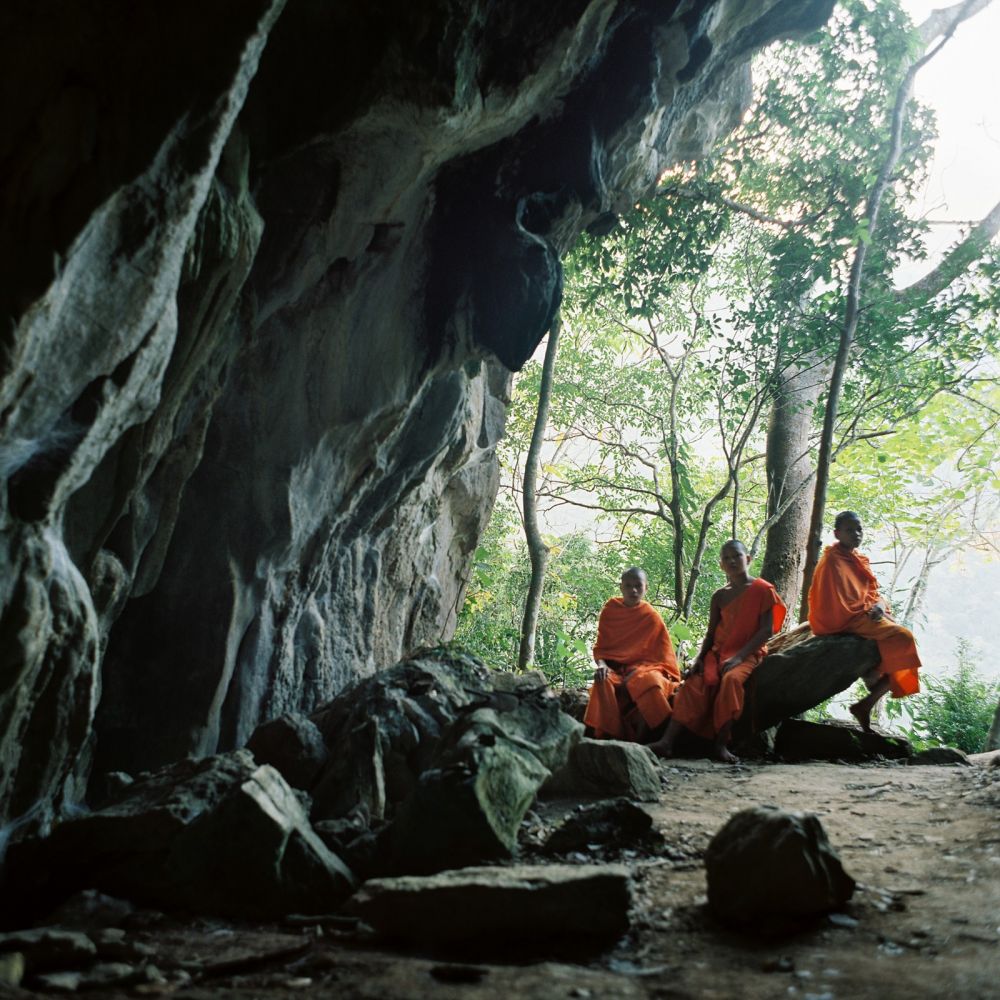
962	84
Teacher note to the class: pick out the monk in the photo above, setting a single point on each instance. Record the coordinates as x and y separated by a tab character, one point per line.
636	668
844	597
743	615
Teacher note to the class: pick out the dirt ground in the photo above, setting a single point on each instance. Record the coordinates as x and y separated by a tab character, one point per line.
922	842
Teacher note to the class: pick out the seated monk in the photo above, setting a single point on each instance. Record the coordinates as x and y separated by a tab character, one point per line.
744	614
844	597
636	667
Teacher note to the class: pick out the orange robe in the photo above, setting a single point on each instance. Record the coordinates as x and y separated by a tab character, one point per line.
707	701
843	591
636	646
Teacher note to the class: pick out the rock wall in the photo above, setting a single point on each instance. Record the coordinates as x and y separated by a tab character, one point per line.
268	267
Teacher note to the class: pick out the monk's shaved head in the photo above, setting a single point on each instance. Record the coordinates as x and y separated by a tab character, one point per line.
844	517
635	573
734	543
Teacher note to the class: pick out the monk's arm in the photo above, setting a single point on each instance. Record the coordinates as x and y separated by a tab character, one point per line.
755	641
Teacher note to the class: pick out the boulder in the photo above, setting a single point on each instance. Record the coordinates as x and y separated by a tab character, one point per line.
465	812
441	753
601	768
293	745
798	739
767	863
219	835
45	949
940	755
800	671
616	823
384	732
498	909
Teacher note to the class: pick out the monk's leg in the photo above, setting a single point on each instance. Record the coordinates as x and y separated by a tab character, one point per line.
721	750
664	746
651	689
728	707
692	710
862	710
603	714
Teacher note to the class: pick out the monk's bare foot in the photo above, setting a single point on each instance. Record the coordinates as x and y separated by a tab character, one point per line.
662	749
863	714
725	755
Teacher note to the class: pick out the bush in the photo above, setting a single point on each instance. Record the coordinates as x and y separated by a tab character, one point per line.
955	709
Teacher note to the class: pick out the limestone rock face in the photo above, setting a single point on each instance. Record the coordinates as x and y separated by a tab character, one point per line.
267	269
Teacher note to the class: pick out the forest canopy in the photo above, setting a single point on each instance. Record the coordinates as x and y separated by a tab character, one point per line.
739	338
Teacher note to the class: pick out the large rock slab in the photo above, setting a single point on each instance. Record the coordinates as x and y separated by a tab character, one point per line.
799	672
766	863
940	755
498	909
797	740
220	835
603	768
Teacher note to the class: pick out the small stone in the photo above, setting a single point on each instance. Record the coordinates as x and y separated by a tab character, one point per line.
48	949
58	982
12	968
782	964
464	974
842	920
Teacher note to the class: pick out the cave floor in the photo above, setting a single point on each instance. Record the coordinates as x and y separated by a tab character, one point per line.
922	842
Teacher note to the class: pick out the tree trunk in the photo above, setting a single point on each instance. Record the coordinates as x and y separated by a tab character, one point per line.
789	476
852	305
538	551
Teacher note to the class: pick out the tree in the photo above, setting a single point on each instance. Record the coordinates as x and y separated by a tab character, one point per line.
721	301
867	230
537	549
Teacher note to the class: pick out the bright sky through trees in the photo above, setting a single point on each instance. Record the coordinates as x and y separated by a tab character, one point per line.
962	84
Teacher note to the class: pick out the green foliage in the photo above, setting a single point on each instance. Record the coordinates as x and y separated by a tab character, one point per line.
581	577
953	710
679	324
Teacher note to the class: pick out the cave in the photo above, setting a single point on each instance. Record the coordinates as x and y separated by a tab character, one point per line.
268	269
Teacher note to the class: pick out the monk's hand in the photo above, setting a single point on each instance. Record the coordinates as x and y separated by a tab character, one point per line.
728	664
601	673
696	668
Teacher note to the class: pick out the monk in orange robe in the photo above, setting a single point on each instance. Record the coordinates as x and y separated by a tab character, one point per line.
844	597
636	668
743	616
